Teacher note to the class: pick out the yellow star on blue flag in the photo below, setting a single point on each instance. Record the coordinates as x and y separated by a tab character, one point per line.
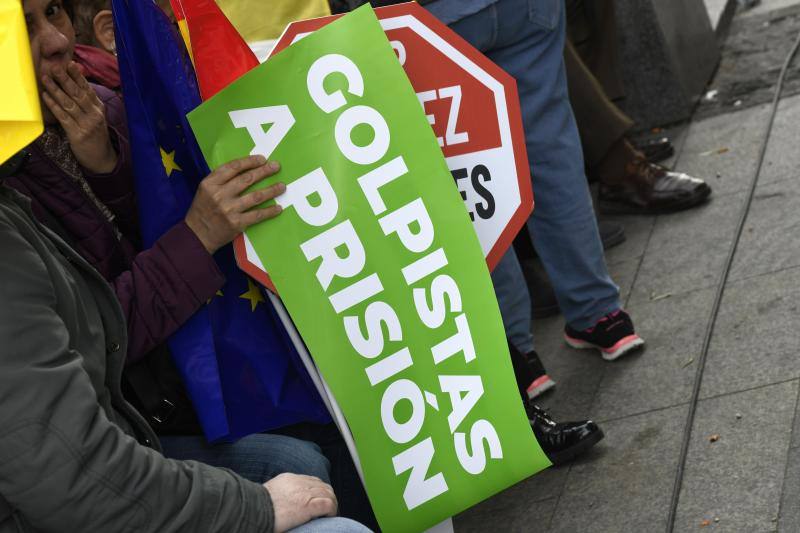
253	294
168	160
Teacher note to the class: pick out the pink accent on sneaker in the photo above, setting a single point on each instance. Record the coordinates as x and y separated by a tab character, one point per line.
539	386
621	343
628	344
619	349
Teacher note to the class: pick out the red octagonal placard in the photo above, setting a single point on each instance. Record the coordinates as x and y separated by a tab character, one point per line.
473	108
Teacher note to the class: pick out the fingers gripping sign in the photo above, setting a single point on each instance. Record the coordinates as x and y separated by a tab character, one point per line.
222	208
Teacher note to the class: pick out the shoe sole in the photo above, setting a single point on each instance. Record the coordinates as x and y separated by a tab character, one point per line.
616	208
622	347
541	385
582	447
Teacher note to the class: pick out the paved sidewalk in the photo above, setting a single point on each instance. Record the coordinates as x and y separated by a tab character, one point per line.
749	479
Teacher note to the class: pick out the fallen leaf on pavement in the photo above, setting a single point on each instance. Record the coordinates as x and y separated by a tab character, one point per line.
718	151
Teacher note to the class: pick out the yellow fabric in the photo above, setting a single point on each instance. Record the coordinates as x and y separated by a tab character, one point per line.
261	20
20	116
183	26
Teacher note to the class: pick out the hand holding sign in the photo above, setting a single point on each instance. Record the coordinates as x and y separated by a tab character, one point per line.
221	209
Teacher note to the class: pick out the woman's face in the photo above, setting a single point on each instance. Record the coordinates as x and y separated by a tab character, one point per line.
52	40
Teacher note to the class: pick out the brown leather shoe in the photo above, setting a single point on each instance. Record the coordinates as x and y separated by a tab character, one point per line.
649	189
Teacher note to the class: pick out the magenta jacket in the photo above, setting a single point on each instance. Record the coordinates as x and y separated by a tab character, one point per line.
158	288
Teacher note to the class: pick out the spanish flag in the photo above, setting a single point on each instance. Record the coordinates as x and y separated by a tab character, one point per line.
20	115
261	23
218	52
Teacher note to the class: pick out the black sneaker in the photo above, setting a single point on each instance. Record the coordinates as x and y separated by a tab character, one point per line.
562	442
541	382
613	335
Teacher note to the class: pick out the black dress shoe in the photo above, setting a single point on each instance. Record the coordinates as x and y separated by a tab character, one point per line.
562	442
649	189
656	150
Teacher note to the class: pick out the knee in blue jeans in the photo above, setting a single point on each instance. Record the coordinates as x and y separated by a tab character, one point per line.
545	13
311	462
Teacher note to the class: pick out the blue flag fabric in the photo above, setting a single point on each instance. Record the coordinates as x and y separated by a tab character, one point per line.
239	366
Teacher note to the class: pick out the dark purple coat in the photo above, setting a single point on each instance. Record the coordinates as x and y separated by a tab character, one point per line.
159	288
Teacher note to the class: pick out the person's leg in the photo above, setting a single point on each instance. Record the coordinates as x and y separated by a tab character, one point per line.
563	225
257	458
514	301
592	28
601	124
353	500
331	525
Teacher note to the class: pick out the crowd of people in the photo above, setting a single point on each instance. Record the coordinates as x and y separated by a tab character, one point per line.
87	310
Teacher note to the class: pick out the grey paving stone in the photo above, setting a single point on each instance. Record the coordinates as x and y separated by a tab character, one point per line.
637	233
789	519
796	428
764	249
766	6
738	134
687	249
752	56
754	341
625	484
739	477
532	517
624	275
577	374
782	160
663	374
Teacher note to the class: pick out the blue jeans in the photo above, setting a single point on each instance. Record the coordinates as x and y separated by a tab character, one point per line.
526	39
514	301
258	457
331	525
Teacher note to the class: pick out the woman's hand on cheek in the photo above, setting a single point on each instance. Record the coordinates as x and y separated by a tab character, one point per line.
82	115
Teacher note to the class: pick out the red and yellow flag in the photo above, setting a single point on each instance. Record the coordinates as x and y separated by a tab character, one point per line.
219	53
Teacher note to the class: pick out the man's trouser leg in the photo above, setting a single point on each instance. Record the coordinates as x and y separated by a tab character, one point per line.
526	39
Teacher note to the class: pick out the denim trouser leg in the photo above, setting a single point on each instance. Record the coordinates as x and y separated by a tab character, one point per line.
526	39
331	525
514	300
257	458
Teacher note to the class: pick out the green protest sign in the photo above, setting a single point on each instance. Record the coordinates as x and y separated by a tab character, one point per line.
379	266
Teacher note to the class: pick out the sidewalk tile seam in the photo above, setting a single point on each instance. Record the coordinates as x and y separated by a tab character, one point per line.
738	281
641	413
702	398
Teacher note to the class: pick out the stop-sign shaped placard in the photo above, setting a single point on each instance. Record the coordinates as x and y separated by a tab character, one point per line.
473	108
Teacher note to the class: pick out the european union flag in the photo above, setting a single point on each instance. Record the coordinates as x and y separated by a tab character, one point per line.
239	365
